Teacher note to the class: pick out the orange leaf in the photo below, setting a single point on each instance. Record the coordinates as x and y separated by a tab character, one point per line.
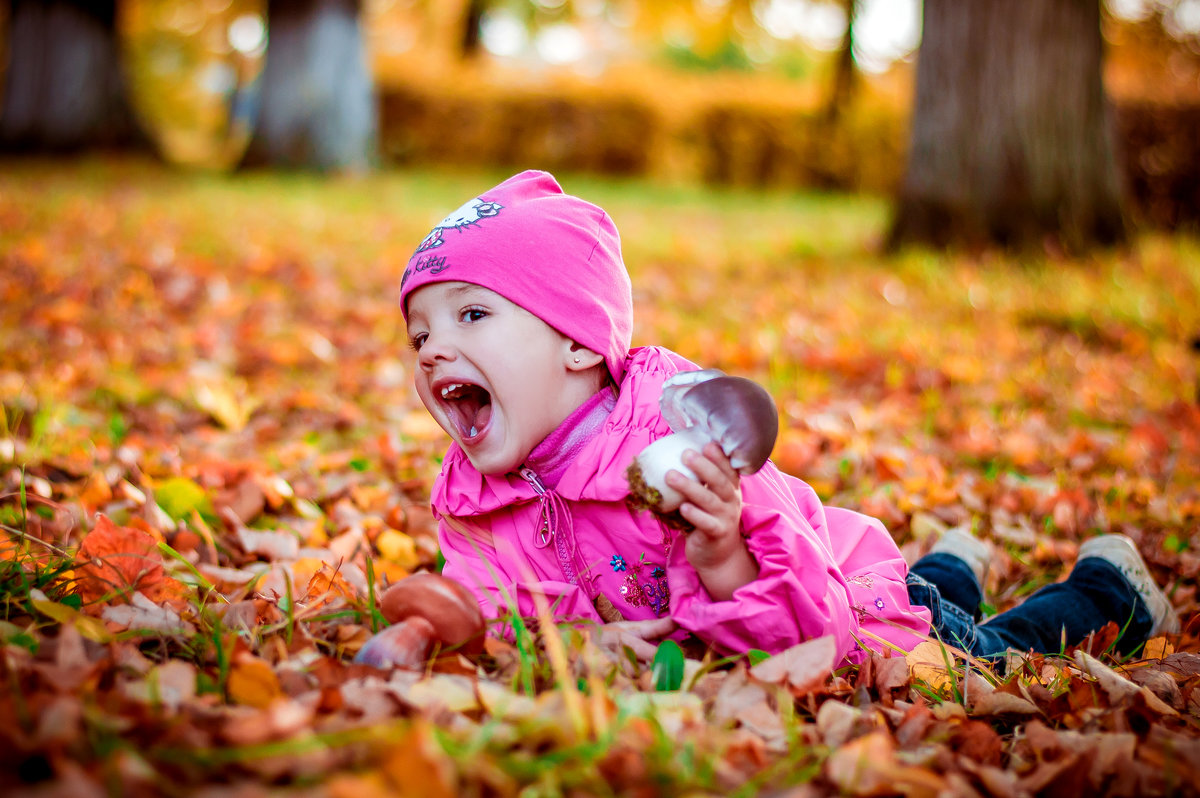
114	561
252	682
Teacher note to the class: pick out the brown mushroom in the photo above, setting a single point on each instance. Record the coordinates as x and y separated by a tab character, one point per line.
425	609
702	406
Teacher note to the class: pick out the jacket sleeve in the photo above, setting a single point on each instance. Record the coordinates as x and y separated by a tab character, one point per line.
876	575
502	580
800	592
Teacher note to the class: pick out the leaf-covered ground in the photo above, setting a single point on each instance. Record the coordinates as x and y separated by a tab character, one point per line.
212	462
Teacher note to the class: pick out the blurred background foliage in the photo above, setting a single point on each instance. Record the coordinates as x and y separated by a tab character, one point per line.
791	93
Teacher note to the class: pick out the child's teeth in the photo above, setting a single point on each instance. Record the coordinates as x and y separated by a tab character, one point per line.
474	432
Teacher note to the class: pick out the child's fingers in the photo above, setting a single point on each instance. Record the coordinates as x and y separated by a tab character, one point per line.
716	455
704	522
713	471
642	650
695	492
636	635
658	627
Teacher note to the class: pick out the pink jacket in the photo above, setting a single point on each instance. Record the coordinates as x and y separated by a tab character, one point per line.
822	570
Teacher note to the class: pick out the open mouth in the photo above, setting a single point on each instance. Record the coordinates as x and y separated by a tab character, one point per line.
469	406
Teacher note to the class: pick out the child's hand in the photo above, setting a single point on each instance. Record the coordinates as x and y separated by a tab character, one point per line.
712	502
636	635
713	505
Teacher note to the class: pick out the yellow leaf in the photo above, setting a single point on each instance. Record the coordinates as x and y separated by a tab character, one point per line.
397	547
91	628
927	663
226	399
253	683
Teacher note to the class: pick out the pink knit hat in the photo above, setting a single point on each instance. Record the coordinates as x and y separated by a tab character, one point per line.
553	254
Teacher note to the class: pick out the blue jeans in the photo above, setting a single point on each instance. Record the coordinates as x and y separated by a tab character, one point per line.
1094	594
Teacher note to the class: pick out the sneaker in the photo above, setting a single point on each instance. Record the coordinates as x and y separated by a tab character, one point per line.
1121	552
971	550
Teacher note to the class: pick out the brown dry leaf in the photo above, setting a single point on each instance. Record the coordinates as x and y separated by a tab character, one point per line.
115	561
142	613
736	693
1001	703
1117	686
170	685
891	673
803	667
322	583
245	500
838	722
868	766
272	544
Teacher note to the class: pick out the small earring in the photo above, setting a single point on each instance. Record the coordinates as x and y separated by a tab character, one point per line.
576	360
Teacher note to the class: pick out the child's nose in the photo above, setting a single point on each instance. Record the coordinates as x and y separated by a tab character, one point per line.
434	349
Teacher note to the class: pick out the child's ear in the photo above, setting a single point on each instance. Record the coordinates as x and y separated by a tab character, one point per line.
580	358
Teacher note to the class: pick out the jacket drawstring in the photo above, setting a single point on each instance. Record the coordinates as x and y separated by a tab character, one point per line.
555	526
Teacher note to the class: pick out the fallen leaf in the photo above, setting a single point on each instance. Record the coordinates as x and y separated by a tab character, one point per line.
928	663
142	613
1117	686
868	766
114	561
252	682
417	766
803	667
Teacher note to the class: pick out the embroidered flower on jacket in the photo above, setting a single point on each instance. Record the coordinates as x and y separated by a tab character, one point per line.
879	604
644	585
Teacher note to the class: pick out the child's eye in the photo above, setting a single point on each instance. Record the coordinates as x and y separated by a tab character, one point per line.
416	341
473	314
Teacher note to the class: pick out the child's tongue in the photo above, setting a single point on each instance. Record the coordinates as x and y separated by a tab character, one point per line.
474	411
482	417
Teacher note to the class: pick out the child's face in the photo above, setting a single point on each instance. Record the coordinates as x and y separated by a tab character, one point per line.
493	375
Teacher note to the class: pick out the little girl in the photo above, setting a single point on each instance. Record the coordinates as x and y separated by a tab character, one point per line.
519	307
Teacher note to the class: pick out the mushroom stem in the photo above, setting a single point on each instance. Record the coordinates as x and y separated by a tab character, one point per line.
402	645
647	475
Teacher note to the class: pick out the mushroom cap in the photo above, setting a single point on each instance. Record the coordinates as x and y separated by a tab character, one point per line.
447	605
735	412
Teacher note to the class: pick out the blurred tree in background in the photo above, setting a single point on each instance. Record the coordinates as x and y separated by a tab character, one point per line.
1012	136
65	88
318	105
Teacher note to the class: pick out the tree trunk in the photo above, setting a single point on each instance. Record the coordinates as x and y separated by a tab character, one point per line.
1012	138
318	105
64	88
472	19
843	74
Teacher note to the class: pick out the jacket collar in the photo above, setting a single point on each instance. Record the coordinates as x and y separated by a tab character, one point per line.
597	473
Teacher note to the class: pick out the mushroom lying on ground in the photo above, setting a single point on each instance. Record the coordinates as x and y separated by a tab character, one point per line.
425	610
702	406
